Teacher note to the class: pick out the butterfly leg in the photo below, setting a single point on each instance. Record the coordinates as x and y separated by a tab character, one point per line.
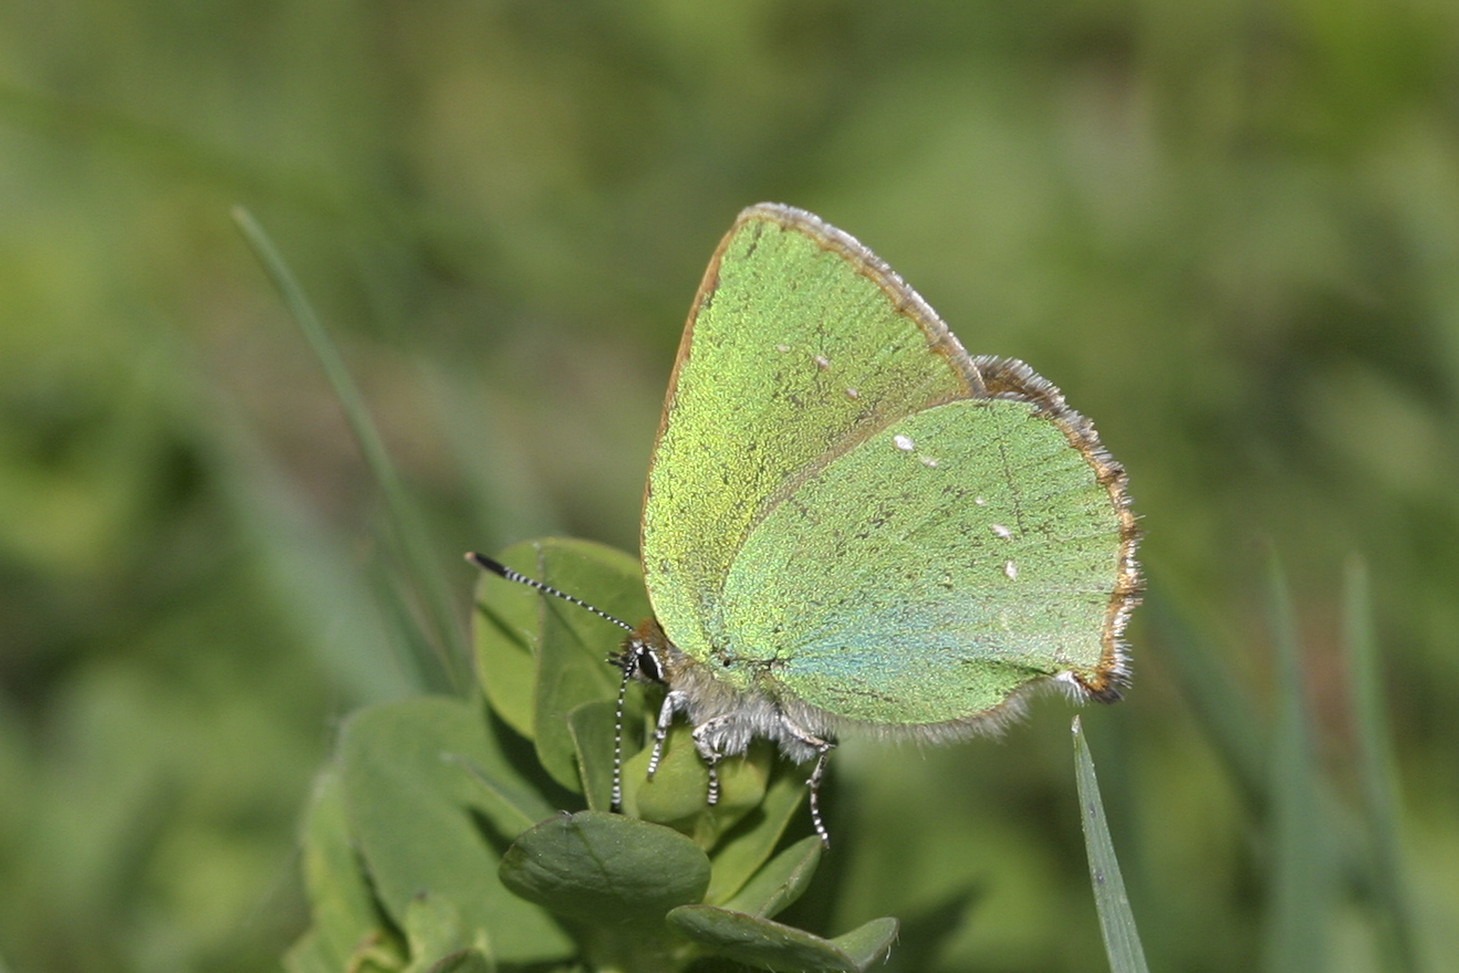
710	753
822	748
672	703
712	797
813	788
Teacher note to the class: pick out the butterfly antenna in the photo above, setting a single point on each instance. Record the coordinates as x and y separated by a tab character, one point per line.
501	570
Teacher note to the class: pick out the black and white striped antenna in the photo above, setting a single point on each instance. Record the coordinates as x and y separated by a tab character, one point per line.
624	662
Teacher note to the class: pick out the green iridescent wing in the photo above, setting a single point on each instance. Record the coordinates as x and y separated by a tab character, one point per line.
844	507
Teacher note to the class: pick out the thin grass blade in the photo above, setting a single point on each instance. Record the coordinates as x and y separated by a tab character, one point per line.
439	612
345	623
1379	778
1116	920
1300	881
1223	707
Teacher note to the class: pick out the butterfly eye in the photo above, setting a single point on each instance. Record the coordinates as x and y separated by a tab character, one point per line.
647	663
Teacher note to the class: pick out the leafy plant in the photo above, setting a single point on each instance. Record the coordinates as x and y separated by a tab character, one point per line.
434	839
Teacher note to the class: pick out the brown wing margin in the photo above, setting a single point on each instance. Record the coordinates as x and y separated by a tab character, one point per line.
1012	379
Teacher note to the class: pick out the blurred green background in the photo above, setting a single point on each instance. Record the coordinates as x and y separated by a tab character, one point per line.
1228	230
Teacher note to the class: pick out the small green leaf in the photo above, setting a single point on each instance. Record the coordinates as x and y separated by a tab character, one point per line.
869	942
748	846
1116	921
376	953
591	725
309	954
504	628
509	807
678	794
409	799
343	908
434	930
511	621
777	885
761	942
572	658
605	868
570	645
466	961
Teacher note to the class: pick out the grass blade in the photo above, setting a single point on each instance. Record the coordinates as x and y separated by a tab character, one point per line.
1377	774
1116	921
1300	882
339	615
424	574
1224	708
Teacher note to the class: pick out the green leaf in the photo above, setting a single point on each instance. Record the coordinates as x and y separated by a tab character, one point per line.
761	942
510	806
466	961
504	632
309	954
776	886
342	907
869	942
381	953
572	660
748	846
434	930
592	728
605	869
1116	921
570	645
678	794
410	799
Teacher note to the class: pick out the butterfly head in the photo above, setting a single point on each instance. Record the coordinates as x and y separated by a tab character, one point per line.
642	654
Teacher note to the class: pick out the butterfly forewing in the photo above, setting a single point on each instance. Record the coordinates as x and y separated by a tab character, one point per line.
800	345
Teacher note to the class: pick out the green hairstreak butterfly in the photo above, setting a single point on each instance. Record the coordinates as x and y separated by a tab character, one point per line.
852	524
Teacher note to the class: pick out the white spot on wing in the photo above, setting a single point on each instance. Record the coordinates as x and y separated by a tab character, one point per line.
1010	569
904	443
1000	531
